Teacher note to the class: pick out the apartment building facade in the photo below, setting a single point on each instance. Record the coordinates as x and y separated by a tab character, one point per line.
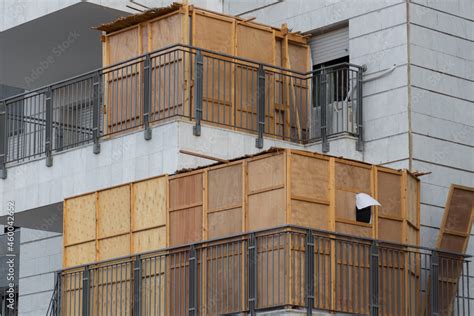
416	65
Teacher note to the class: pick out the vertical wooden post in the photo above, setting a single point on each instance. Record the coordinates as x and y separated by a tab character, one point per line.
332	227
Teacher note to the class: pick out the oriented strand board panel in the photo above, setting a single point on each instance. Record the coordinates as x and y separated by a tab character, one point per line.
114	211
79	219
166	31
213	33
413	200
185	217
390	230
150	203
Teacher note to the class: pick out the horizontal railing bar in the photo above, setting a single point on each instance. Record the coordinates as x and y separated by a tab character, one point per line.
164	50
277	230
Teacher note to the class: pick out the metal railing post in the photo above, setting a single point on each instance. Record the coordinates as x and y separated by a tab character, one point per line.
57	307
374	279
137	277
198	90
252	277
193	282
434	267
85	291
147	96
3	140
96	112
260	107
49	127
360	140
309	272
324	103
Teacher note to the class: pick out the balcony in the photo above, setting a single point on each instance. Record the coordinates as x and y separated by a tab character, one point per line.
286	267
183	82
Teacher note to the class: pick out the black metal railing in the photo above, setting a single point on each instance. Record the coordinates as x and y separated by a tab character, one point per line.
181	81
284	267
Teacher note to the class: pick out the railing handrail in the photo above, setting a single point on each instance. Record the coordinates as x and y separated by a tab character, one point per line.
276	229
168	49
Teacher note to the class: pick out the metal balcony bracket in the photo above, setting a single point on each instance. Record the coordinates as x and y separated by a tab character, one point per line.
198	91
137	277
193	282
374	279
309	272
96	113
260	107
252	276
147	68
3	140
49	128
85	291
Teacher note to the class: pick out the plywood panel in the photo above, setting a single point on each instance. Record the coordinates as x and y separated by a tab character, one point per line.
457	219
79	254
254	43
114	211
186	226
148	240
149	207
266	172
225	187
224	223
308	214
309	177
298	57
267	209
413	202
389	194
166	31
123	45
213	33
354	230
185	191
352	178
345	205
390	230
114	247
79	219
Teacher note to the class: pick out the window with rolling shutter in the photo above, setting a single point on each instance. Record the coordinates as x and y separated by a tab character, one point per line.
330	45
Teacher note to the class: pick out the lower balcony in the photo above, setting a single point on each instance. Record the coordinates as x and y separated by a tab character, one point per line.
202	86
285	268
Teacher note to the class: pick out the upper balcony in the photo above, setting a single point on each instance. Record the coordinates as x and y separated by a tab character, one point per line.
279	100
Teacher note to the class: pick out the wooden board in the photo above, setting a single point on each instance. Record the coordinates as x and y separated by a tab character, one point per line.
166	31
186	208
79	219
79	254
457	219
454	236
150	202
266	195
113	212
218	34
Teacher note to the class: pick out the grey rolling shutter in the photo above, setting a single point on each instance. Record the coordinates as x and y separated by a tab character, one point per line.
329	46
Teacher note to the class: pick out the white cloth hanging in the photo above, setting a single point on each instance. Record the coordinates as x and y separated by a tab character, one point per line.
364	200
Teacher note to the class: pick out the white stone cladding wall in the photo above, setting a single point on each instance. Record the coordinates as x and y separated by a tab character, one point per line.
420	116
